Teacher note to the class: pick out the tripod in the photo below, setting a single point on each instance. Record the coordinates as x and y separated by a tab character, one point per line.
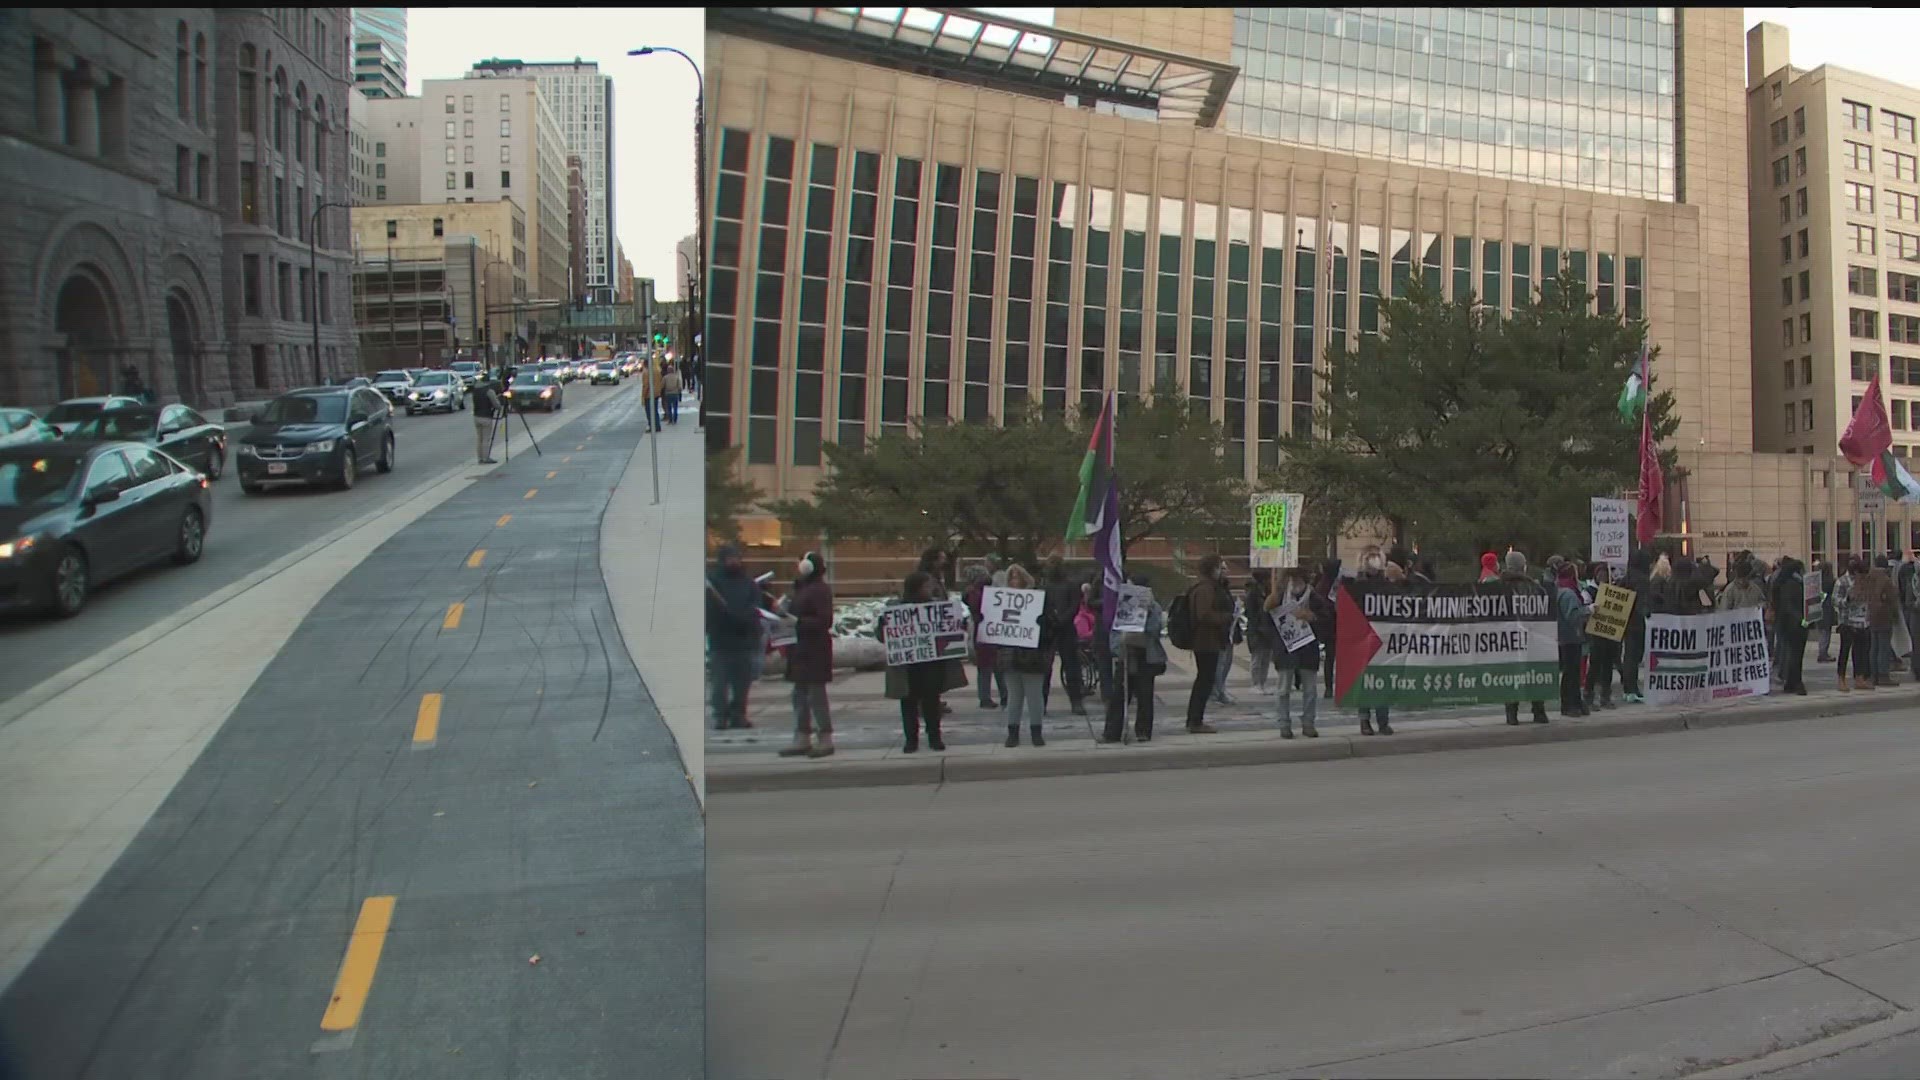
506	418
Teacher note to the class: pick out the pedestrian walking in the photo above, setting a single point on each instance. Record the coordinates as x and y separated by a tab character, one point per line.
1571	615
1024	673
810	659
916	686
486	414
986	658
1790	623
1262	638
1883	607
670	384
1142	659
1210	610
1603	654
1516	578
1850	606
1299	599
733	637
1633	648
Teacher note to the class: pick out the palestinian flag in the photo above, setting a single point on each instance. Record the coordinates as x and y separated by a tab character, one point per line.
1100	495
1892	477
1633	397
1677	663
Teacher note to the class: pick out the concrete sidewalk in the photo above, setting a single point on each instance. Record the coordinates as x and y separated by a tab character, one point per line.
867	733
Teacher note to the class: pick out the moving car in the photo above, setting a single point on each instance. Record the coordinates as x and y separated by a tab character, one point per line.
324	435
74	516
68	414
396	385
468	370
535	390
606	371
184	434
437	391
18	427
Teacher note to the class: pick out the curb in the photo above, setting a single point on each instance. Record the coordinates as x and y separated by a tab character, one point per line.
1095	760
1877	1031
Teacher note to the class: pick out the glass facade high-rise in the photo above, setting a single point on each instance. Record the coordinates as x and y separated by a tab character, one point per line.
380	51
1574	97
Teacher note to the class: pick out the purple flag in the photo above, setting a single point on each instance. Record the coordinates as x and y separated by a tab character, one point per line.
1106	529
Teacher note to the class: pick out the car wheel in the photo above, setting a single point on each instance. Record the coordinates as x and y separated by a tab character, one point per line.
385	463
348	468
192	538
216	465
67	589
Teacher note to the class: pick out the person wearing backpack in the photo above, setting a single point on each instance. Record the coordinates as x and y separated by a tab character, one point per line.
1203	617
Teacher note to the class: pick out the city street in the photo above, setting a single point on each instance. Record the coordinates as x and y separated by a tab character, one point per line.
250	532
1647	907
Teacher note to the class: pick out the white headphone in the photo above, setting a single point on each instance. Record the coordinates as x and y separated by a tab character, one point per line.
806	565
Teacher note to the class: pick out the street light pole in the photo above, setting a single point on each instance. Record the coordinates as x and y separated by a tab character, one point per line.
313	283
699	195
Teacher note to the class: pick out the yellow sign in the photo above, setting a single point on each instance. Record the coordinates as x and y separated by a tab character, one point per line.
1610	611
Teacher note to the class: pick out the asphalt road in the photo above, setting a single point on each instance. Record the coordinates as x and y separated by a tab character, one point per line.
1645	907
248	532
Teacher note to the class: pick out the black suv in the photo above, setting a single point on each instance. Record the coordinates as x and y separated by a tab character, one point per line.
324	435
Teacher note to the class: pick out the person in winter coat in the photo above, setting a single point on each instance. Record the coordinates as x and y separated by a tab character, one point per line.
1743	591
1489	567
1300	600
733	636
1375	570
1850	606
1063	603
1639	580
1145	657
1789	622
1603	654
938	563
1024	673
810	660
922	683
1883	607
986	658
1212	607
1570	613
1263	641
1824	568
1517	580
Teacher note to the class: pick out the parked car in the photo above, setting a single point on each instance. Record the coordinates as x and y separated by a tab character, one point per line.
327	435
606	371
396	385
75	515
437	391
535	390
176	429
357	381
18	427
68	414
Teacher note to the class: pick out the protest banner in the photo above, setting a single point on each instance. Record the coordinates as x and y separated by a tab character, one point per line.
1294	634
1010	618
1812	595
1611	610
781	630
1698	658
920	633
1276	531
1427	645
1609	531
1131	604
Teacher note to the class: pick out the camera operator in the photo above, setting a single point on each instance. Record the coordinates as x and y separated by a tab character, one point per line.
487	409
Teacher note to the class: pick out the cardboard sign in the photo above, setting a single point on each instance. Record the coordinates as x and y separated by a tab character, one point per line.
1294	634
1811	597
1276	531
1611	610
922	633
1698	658
1131	604
1609	532
1010	618
781	630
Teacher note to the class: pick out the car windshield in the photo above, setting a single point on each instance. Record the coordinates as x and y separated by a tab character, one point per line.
303	409
74	410
532	378
435	378
30	481
119	424
390	376
608	365
464	367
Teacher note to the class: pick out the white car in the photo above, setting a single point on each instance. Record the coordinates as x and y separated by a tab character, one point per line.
437	391
395	386
18	427
73	412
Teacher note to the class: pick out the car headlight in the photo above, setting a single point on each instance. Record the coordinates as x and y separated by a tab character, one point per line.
324	446
18	548
439	393
547	392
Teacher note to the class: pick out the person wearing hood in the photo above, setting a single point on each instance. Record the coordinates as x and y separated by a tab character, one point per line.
810	660
1571	614
1516	578
1298	598
1638	580
1790	623
1376	570
937	563
1743	591
986	657
1063	605
1883	607
733	636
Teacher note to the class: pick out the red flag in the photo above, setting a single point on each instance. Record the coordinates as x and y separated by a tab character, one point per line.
1653	483
1868	434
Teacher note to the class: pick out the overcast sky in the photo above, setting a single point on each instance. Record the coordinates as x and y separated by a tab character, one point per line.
1873	41
653	99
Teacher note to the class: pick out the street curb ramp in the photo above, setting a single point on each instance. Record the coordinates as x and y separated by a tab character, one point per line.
1091	760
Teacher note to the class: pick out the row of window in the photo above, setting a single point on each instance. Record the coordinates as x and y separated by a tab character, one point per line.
1864	281
506	156
1854	115
466	129
1865	323
506	103
192	174
1863	366
1863	240
289	220
284	294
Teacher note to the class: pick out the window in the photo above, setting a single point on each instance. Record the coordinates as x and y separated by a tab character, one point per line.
451	129
466	129
1799	122
1899	166
326	297
1863	323
380	191
249	194
393	229
1859	197
1859	156
1905	207
1905	287
1782	173
1862	281
182	167
1898	125
1800	162
1779	131
469	181
1905	370
506	179
1806	418
1789	374
1806	371
286	290
1806	285
1899	409
1786	209
1786	249
1903	246
250	282
453	181
449	105
1786	333
1904	329
1860	239
506	128
380	171
1803	243
506	102
379	149
466	103
506	155
1859	117
1786	290
1864	366
439	227
1790	419
1800	202
1806	328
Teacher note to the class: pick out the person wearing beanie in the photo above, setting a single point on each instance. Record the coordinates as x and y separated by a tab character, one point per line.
1489	568
1517	580
1571	611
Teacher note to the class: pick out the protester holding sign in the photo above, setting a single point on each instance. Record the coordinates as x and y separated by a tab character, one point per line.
922	681
1790	623
1024	666
985	657
1293	608
1850	604
1145	659
1633	647
1518	582
810	660
1603	651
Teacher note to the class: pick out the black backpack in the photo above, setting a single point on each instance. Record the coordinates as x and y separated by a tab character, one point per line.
1180	621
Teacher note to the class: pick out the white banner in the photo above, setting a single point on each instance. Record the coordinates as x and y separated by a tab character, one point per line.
1010	618
1692	659
1609	529
921	633
1130	607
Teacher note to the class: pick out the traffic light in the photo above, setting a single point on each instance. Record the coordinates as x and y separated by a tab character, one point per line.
659	339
